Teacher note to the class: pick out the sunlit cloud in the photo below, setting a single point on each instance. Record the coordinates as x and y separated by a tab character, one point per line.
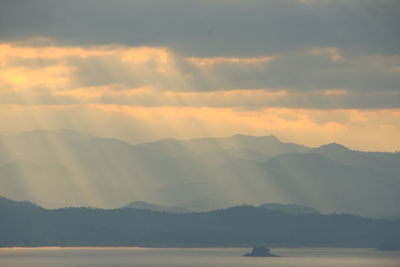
52	52
336	92
331	52
25	79
321	68
229	60
161	93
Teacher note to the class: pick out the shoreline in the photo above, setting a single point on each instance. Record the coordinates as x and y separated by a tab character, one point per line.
177	247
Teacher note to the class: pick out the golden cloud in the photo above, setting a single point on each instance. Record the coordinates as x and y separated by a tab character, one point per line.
331	52
152	92
52	52
207	61
56	77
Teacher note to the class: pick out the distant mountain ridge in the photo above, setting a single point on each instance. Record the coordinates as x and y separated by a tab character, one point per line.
261	144
385	162
154	207
210	205
6	203
290	208
26	225
67	168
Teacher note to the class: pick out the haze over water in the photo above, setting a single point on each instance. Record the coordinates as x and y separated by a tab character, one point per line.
198	257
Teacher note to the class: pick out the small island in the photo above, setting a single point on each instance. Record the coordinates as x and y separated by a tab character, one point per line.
260	251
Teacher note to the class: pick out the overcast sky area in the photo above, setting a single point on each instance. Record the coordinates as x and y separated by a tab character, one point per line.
307	71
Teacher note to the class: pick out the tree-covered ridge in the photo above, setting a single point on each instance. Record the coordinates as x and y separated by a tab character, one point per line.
236	226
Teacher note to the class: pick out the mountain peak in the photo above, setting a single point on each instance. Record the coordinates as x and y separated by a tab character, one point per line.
333	146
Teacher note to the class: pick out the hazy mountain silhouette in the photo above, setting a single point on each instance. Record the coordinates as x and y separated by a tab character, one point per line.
206	204
27	225
67	168
218	157
290	208
198	205
155	207
265	145
338	187
189	192
315	180
384	162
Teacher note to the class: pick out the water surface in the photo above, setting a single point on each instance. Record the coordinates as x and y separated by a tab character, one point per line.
199	257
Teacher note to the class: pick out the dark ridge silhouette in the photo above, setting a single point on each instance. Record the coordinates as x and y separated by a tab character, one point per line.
155	207
241	226
290	208
6	203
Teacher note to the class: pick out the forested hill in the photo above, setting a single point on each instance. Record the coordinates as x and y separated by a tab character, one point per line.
24	225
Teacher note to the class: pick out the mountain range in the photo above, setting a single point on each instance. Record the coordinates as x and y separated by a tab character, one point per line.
25	224
61	168
203	206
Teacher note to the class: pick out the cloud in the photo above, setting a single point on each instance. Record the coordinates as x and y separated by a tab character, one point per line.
331	52
155	76
24	79
209	28
311	96
211	61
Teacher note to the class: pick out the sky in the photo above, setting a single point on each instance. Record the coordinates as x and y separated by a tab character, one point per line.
308	71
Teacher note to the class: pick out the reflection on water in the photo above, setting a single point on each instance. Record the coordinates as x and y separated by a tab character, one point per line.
205	257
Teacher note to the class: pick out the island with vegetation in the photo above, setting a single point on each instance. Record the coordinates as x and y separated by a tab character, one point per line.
260	251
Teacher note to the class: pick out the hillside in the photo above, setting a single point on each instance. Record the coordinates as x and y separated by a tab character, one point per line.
237	226
142	205
65	168
290	208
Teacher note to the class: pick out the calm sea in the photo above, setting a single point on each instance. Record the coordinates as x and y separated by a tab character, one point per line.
204	257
